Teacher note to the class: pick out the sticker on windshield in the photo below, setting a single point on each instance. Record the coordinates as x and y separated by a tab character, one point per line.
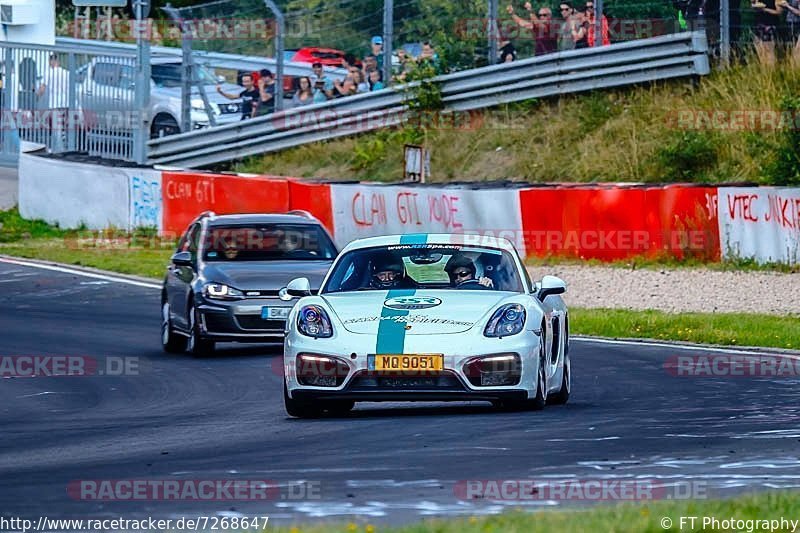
412	302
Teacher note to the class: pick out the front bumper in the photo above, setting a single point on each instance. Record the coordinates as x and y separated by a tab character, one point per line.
451	384
240	321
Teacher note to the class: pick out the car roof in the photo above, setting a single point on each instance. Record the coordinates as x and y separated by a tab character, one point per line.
433	238
250	218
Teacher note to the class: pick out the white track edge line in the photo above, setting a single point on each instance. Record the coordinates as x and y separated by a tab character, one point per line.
756	350
83	273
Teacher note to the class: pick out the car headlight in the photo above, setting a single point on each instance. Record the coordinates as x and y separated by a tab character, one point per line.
199	107
506	321
313	321
220	291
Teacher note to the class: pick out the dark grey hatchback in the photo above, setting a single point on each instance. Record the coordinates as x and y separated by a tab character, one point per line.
227	279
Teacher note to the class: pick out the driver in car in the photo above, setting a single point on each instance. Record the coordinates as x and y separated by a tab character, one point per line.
462	272
389	272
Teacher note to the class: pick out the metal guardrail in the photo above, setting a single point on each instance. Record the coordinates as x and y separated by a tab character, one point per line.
639	61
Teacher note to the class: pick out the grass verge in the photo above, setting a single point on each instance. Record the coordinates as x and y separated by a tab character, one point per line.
650	517
730	329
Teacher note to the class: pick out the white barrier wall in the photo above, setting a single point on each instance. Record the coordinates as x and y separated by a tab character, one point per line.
761	223
370	210
70	194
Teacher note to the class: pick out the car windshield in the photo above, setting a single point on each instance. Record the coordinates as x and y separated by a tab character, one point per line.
425	266
266	242
169	75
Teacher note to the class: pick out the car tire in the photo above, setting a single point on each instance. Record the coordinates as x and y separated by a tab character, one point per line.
196	344
171	342
163	126
562	396
299	408
537	403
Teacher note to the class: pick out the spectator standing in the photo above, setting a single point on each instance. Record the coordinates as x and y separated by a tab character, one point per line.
580	30
590	34
249	96
404	66
266	92
375	82
565	39
304	95
323	84
345	87
376	48
541	24
55	82
767	19
428	56
362	85
792	8
507	52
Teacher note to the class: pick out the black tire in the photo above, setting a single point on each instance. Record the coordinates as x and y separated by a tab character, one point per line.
171	342
562	396
298	408
196	344
538	403
163	126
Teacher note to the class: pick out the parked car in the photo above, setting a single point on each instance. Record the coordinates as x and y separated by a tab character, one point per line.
106	85
227	279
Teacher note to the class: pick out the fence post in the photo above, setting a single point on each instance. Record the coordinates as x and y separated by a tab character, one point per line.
598	23
141	128
492	31
725	31
72	103
278	52
388	22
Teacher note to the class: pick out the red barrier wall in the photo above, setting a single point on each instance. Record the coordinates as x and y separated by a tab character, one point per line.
187	194
610	223
314	198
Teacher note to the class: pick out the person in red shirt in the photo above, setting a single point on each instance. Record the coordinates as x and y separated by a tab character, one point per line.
590	29
545	31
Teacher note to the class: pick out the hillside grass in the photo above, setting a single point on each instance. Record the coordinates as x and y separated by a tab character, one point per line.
624	135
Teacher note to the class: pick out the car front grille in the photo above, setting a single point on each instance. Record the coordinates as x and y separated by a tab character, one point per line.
255	322
380	382
219	323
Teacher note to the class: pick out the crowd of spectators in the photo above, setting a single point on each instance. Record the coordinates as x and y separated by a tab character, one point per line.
366	75
573	28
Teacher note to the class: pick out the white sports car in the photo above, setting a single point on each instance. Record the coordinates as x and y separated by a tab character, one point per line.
426	317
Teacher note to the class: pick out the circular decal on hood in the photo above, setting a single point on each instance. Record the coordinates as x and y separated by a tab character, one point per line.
412	302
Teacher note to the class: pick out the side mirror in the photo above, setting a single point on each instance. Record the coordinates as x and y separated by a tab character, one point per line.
299	287
551	285
182	259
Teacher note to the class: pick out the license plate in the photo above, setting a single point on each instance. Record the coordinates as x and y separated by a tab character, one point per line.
275	312
428	362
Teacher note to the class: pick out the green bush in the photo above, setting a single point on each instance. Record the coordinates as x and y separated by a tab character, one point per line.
687	156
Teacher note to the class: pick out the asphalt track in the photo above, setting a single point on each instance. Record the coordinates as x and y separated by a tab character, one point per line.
222	418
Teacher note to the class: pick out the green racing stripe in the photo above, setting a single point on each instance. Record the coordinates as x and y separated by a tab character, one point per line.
391	332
